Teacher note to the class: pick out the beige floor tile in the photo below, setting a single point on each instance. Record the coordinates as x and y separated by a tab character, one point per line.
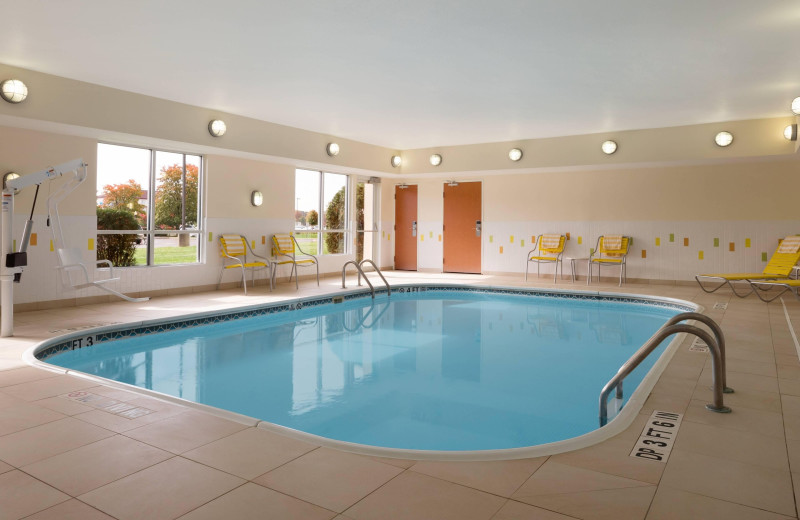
767	401
329	478
254	501
250	453
70	510
741	418
789	387
161	492
185	431
787	359
680	371
40	442
791	424
741	380
24	375
609	504
676	504
746	447
671	403
793	447
114	393
412	496
400	463
751	367
5	467
6	401
50	387
24	416
498	477
553	478
725	479
63	405
88	467
789	372
518	511
674	386
613	457
746	355
22	495
791	404
121	424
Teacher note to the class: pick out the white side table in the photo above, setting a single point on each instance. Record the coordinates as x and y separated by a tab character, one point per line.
572	261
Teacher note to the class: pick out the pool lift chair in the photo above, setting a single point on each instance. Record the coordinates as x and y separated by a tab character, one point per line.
233	249
285	246
550	251
610	250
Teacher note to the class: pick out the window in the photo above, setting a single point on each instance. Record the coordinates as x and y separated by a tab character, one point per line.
148	209
321	201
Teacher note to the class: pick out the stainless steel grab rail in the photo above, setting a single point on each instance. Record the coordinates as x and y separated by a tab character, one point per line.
361	273
673	326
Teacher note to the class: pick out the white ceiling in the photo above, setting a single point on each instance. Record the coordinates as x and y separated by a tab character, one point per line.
419	73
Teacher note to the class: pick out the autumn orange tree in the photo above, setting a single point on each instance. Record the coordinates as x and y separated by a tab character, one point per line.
125	197
169	199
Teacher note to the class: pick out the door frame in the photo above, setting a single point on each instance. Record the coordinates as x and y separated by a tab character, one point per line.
483	222
394	226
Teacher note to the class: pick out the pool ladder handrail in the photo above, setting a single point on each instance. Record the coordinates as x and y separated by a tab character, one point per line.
361	273
361	321
716	346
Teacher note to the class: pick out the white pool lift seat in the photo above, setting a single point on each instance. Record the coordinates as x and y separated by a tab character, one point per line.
74	273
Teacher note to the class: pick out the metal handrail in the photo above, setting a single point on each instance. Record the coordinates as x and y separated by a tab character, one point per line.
361	321
361	272
717	330
673	327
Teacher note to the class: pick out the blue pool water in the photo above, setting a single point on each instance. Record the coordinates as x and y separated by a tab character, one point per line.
435	370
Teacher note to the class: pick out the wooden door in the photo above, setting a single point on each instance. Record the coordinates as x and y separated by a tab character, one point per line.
405	228
462	228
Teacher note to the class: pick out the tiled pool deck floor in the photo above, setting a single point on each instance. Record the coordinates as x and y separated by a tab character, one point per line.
63	460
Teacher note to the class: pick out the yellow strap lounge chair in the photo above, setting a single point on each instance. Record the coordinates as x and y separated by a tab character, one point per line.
779	267
550	250
233	249
610	250
762	288
286	246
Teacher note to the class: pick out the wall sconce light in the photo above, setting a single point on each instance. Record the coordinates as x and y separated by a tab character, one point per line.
332	149
796	106
396	161
515	154
609	147
790	132
10	176
723	139
256	198
13	91
435	159
217	128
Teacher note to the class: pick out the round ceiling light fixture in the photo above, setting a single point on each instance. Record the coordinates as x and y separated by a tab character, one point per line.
796	106
609	147
515	154
723	139
396	161
435	159
13	91
217	128
790	132
332	149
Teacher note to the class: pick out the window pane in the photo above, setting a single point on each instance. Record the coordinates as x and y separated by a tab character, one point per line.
121	250
175	249
333	243
175	205
335	201
307	241
123	180
306	207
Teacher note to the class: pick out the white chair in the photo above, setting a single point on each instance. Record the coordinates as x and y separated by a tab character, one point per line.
75	273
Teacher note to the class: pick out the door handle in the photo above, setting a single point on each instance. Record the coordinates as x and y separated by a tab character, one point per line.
414	228
477	228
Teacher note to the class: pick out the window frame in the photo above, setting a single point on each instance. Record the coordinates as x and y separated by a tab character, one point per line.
320	230
150	232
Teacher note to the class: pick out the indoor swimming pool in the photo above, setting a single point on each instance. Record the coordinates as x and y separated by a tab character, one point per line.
430	368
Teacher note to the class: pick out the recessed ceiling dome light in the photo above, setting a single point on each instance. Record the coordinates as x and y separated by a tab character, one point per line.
13	91
723	138
796	105
396	161
609	147
515	154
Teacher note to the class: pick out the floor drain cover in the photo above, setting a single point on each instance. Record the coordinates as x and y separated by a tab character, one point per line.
721	306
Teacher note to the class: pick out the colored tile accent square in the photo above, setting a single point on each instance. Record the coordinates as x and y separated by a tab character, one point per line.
672	237
388	236
383	234
658	241
533	239
763	257
732	246
91	244
501	250
746	242
430	234
422	238
51	246
263	240
210	236
252	244
511	241
716	242
567	236
491	238
440	238
14	245
580	240
521	243
686	241
699	255
591	251
644	253
34	239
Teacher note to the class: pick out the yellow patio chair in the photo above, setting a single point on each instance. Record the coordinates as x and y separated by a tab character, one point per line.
610	250
285	246
550	251
233	249
779	267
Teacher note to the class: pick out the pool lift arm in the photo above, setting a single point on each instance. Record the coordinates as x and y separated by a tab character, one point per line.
13	262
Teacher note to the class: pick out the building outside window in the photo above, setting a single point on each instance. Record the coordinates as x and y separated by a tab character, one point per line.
321	209
148	206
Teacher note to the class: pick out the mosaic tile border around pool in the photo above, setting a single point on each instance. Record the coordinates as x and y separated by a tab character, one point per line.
46	351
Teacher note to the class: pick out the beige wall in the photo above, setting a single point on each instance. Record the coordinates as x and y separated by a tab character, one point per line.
231	180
